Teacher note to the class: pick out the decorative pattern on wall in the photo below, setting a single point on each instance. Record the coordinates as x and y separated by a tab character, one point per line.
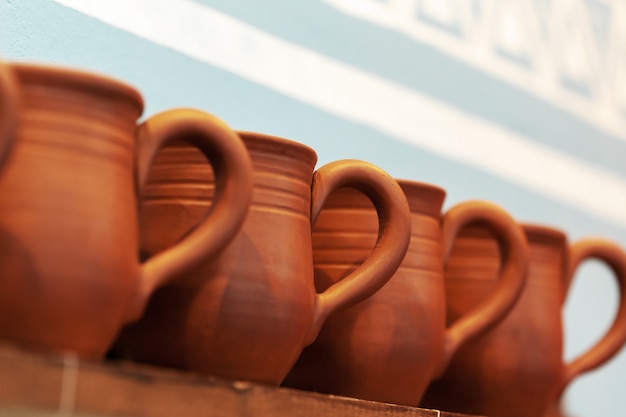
567	52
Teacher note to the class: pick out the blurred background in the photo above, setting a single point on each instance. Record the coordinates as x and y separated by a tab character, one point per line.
520	102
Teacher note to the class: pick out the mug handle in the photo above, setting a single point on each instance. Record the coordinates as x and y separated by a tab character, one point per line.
514	254
8	110
394	224
615	338
232	168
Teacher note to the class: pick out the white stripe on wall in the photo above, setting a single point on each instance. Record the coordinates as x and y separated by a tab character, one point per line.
565	48
348	92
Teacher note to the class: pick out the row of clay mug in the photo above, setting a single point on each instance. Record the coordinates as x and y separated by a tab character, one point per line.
480	336
390	347
240	299
248	312
229	270
517	369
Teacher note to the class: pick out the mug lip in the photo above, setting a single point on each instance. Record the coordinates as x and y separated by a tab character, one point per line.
414	190
423	185
542	232
76	78
275	144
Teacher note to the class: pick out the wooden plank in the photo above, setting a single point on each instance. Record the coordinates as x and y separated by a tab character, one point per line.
62	385
30	379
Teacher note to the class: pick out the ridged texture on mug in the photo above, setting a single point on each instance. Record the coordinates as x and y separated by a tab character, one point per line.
513	370
385	348
244	314
67	202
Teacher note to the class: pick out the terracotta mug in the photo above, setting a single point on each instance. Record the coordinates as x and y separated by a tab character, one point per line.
70	275
603	351
248	313
517	369
389	347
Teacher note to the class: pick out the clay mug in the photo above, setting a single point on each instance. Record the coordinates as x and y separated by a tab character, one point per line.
248	313
389	347
596	356
517	369
70	275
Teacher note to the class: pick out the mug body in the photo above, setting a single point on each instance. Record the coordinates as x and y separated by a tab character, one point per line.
514	369
68	220
385	348
244	314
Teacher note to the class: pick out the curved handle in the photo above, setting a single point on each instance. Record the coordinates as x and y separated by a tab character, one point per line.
232	168
514	255
8	110
394	231
615	337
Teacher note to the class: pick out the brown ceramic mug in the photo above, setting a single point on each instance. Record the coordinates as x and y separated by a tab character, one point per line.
389	347
248	313
602	351
517	369
70	274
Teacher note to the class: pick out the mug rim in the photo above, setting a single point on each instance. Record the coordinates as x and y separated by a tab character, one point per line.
414	192
272	143
542	232
76	78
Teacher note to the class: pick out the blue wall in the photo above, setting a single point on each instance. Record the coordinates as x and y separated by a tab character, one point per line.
519	102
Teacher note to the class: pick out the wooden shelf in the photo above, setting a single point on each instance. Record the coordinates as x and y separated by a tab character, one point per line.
33	385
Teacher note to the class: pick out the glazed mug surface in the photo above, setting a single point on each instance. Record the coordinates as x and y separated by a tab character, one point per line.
70	274
517	369
248	313
389	347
